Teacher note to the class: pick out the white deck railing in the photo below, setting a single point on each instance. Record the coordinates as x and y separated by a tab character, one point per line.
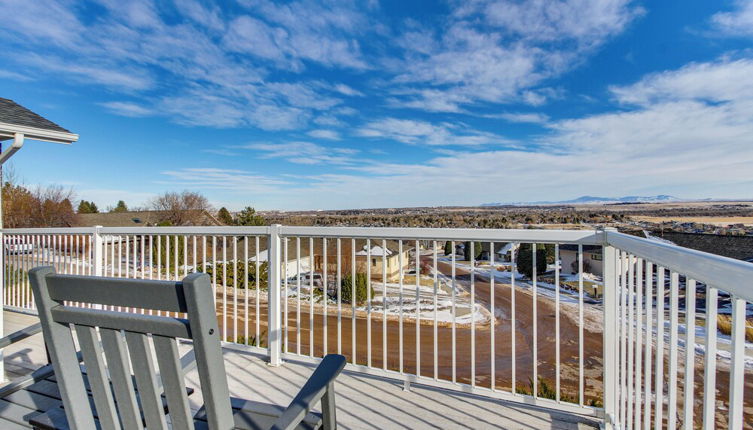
609	346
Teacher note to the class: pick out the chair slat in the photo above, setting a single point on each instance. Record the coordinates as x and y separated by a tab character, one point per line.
209	361
146	381
98	380
134	293
172	327
120	374
172	379
62	352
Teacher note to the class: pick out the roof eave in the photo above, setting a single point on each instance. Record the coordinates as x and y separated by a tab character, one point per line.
33	133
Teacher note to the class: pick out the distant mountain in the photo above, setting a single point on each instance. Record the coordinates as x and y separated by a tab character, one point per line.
598	200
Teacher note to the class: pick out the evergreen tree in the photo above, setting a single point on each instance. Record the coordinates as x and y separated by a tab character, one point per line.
85	207
477	250
361	289
448	248
248	217
120	207
224	216
525	260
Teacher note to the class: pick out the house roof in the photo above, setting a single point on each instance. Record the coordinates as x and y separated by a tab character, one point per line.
15	118
132	219
376	251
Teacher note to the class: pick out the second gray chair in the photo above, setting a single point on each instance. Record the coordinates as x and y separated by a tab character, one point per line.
116	351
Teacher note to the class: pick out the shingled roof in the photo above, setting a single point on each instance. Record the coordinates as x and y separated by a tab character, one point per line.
16	118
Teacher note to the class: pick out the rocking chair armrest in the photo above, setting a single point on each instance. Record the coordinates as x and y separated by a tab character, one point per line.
318	385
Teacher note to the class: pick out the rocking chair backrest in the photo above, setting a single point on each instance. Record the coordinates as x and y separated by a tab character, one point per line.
117	348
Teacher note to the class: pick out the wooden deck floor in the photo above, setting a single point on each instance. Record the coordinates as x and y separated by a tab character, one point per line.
363	402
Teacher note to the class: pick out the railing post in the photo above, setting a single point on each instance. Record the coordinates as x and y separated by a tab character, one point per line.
274	329
97	255
98	249
610	353
2	296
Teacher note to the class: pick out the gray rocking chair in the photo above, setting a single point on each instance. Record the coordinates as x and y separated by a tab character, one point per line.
116	352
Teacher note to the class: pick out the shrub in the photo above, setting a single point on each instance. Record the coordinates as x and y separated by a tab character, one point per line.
162	249
361	294
477	250
525	260
251	340
546	391
233	269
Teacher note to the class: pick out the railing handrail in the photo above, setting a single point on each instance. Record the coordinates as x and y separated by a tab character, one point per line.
727	274
584	237
189	230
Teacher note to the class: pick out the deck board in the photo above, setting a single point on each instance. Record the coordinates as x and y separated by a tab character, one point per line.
363	402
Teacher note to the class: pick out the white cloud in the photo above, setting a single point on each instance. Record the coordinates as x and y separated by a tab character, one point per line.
346	90
500	51
301	31
179	65
738	22
208	16
7	74
45	21
582	21
426	133
209	178
671	134
324	134
127	109
303	152
720	81
522	117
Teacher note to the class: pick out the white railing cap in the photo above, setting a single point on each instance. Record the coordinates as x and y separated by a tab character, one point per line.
727	274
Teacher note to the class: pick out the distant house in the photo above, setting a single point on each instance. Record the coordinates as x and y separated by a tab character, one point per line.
502	251
505	252
373	259
592	259
294	262
381	257
135	219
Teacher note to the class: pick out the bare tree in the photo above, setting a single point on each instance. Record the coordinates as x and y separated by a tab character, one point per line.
43	207
186	208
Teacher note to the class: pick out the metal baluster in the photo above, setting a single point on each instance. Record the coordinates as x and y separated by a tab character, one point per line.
418	310
400	318
535	362
493	319
384	304
581	376
454	313
737	370
689	385
557	321
436	287
368	302
311	296
648	346
673	337
339	299
709	376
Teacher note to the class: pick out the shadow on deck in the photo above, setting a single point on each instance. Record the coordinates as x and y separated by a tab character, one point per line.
363	401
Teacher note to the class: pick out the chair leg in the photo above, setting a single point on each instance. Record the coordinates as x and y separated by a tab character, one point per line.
329	420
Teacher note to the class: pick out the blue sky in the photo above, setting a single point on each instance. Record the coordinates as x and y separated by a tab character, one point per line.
323	105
